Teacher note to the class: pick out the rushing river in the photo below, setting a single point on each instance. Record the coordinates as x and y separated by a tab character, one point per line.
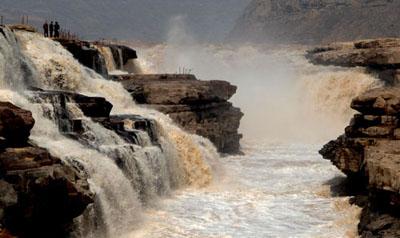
280	187
275	190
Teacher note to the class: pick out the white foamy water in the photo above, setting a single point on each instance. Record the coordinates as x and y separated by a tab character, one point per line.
273	191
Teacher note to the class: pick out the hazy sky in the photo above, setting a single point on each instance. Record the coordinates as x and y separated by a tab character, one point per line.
208	20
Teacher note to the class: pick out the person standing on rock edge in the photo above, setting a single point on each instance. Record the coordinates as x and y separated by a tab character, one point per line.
51	29
46	29
56	30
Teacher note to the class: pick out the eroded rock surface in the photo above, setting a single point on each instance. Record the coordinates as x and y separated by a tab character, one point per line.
369	154
39	193
381	56
200	107
15	123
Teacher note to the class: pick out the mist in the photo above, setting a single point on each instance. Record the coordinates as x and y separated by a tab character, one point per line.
284	98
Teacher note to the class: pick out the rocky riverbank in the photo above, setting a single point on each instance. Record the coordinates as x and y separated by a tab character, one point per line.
368	152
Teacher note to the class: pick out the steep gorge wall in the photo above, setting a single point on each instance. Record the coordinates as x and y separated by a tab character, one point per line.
368	151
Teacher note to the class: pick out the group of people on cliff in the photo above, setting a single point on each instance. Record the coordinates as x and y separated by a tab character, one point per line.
53	29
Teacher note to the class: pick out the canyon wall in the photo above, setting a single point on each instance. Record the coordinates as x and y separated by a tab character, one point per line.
368	151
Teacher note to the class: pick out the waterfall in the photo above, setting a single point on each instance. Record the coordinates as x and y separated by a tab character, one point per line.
120	59
144	170
134	66
59	70
106	179
108	56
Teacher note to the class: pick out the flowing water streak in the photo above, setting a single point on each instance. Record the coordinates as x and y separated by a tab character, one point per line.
106	179
108	56
59	70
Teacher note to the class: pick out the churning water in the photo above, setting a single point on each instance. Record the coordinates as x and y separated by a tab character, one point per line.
279	188
273	191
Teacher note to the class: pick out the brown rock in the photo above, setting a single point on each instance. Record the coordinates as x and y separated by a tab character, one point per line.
199	107
380	53
50	193
15	123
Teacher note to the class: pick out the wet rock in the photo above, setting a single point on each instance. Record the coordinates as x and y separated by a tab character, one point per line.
122	54
86	54
199	107
90	106
128	126
15	123
39	194
49	193
98	109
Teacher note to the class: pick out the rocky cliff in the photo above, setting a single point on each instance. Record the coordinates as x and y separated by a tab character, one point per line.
40	194
380	56
317	21
200	107
368	152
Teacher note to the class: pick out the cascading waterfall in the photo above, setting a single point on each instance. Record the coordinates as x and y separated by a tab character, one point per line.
148	171
59	70
106	179
132	66
108	56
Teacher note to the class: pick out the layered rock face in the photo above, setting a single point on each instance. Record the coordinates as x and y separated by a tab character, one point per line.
316	21
368	152
40	194
380	56
200	107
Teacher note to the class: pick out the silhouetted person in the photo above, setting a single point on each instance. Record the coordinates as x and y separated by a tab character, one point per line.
56	30
51	29
46	29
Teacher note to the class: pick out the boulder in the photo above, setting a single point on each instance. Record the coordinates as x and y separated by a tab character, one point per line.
15	123
42	194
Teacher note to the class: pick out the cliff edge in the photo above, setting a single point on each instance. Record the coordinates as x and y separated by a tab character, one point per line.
368	152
